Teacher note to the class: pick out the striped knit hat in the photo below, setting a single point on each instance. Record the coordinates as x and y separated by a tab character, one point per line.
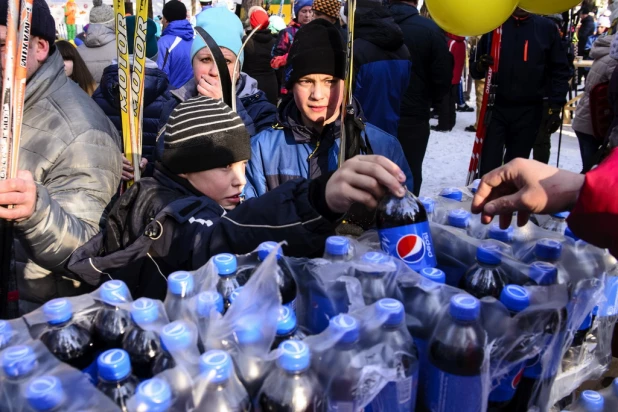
203	134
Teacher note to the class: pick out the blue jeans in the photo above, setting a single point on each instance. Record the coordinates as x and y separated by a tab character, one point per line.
588	147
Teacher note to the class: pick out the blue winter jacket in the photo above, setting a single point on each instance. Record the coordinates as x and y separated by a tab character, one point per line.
177	62
290	150
158	105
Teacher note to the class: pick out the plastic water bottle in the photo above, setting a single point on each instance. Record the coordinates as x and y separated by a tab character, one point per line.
143	345
285	278
486	277
69	341
180	348
459	219
456	354
226	265
235	294
337	249
111	322
287	327
430	206
590	401
46	393
6	334
219	387
502	235
292	387
154	395
115	378
557	223
452	193
375	275
399	395
516	299
19	363
180	288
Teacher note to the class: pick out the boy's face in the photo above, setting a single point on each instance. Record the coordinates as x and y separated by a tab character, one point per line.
318	97
223	185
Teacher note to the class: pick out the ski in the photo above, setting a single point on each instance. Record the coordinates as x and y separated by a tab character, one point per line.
225	82
137	85
347	110
489	98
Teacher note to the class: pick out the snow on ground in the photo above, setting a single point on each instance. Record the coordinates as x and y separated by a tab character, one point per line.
448	154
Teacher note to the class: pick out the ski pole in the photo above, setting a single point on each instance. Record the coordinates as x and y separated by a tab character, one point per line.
560	139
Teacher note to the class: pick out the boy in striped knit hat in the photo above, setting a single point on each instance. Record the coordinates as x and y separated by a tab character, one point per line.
192	207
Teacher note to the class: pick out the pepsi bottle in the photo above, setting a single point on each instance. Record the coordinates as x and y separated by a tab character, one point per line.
285	277
115	378
516	299
69	341
337	249
569	233
590	401
430	206
235	294
485	278
179	344
452	193
219	387
433	274
557	223
542	274
459	219
154	395
292	387
6	334
45	394
19	364
249	356
545	250
180	288
456	355
375	274
226	265
404	231
582	331
112	322
142	343
502	235
207	302
287	327
398	395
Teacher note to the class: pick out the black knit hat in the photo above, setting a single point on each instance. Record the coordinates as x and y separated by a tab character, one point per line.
203	134
43	24
317	49
174	10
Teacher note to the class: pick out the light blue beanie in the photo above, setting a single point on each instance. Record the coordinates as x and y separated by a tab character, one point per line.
224	27
300	4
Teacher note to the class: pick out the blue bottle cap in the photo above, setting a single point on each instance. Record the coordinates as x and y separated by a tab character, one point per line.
6	333
392	309
155	395
434	274
234	295
58	311
114	365
114	292
465	307
286	323
144	310
216	366
615	386
347	326
543	273
515	298
503	235
428	203
248	333
569	233
176	336
45	393
225	263
452	193
587	323
474	187
208	300
180	283
459	218
592	401
266	247
294	355
561	215
337	245
379	258
548	249
489	253
18	361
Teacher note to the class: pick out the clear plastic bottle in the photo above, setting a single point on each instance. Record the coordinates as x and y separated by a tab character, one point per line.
502	235
154	395
557	223
142	343
45	394
180	288
486	277
6	334
115	378
219	389
226	265
285	277
19	364
375	275
287	327
459	219
590	401
112	322
180	344
452	193
337	249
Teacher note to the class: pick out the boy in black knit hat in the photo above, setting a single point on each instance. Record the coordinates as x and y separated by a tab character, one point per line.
192	208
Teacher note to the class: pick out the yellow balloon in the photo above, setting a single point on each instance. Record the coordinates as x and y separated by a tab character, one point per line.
546	7
470	17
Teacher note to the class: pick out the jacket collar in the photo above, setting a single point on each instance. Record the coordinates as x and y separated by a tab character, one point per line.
46	80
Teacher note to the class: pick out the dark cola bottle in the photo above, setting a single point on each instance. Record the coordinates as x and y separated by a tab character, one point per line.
404	231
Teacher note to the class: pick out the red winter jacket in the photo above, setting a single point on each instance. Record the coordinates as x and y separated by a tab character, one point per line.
457	47
595	216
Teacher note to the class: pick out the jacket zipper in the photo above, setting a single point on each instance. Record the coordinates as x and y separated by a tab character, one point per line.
317	146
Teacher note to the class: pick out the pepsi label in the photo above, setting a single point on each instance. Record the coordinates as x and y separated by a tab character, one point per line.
448	392
505	388
410	243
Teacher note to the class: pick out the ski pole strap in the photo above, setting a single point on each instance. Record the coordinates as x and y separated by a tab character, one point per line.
224	77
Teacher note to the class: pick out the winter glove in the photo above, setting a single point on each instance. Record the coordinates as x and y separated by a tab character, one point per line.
485	61
553	118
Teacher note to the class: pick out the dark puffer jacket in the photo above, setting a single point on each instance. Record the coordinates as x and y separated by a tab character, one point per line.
158	105
257	63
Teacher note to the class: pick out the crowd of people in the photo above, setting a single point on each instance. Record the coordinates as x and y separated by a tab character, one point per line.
215	180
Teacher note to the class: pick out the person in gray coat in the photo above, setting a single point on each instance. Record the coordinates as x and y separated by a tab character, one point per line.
99	48
69	169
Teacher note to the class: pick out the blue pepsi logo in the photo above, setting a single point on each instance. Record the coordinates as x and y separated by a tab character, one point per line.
180	276
113	285
216	358
176	328
143	304
411	249
17	353
284	314
113	356
57	304
345	321
294	348
154	388
390	304
43	385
